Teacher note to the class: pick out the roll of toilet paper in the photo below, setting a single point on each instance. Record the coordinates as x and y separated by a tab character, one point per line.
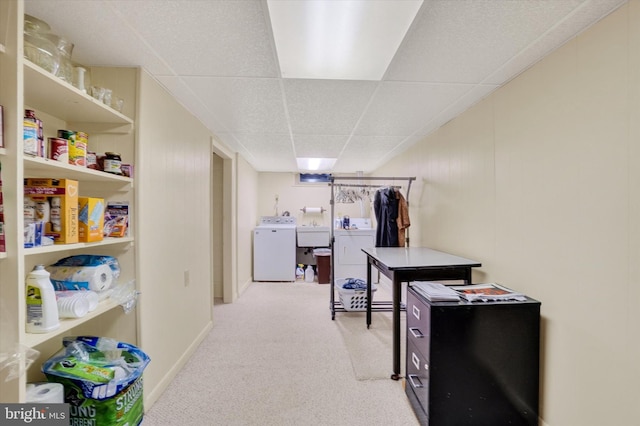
45	393
312	210
95	278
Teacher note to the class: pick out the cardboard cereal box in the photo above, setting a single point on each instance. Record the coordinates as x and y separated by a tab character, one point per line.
58	205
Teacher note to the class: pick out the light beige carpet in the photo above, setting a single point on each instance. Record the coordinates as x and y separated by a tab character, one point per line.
275	357
370	350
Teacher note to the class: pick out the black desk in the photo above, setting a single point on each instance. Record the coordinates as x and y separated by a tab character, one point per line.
404	264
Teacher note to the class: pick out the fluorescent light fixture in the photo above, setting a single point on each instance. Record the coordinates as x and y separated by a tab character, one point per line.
315	164
339	39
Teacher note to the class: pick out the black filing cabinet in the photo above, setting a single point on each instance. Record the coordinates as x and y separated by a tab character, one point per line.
473	363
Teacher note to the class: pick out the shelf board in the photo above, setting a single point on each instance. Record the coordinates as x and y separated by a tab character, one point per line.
66	324
40	167
3	151
76	246
46	92
3	255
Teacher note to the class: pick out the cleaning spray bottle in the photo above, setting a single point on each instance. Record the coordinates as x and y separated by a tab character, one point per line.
309	275
42	307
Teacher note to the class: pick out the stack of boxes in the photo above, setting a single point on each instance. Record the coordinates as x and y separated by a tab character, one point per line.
54	209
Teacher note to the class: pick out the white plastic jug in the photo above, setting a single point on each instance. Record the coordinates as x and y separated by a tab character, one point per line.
309	275
42	308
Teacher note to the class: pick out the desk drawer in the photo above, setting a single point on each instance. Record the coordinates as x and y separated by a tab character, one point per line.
418	323
418	375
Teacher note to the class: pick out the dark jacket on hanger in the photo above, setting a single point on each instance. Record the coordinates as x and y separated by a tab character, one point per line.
385	206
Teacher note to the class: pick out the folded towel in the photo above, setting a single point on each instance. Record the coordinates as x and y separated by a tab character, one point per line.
355	284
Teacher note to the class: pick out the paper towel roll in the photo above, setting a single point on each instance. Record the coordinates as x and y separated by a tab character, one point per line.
312	209
95	278
45	393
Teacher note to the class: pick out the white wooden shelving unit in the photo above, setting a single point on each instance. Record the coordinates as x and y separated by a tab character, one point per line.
60	106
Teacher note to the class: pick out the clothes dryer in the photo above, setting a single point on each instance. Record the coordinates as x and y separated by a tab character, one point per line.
350	260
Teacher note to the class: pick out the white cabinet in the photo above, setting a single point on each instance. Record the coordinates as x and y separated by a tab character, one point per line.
350	260
60	106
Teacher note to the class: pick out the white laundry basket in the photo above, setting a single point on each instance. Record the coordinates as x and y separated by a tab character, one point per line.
352	299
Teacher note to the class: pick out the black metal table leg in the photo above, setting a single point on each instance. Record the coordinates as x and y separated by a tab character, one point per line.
396	327
369	293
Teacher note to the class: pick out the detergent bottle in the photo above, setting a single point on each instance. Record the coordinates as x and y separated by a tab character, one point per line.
309	275
42	307
299	272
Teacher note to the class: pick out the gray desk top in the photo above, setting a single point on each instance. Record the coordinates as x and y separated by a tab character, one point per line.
416	257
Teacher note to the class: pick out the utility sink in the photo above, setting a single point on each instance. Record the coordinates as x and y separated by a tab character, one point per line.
313	236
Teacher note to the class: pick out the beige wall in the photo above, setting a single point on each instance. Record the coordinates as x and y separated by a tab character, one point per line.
173	181
293	196
248	188
541	182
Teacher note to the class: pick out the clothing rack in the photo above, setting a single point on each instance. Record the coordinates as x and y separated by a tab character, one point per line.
336	306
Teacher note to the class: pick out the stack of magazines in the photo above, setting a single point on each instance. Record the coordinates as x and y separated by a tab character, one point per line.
435	292
487	293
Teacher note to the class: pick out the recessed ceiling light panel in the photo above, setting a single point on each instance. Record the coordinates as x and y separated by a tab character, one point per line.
339	39
315	164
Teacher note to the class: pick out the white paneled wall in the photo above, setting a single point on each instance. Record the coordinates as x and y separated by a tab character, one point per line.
541	182
173	181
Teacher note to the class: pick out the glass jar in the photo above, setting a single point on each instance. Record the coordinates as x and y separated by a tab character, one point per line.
112	163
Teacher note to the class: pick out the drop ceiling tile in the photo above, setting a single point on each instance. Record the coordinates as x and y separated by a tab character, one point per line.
326	106
99	36
370	146
319	146
217	59
464	41
552	39
399	109
230	141
180	90
268	152
363	152
245	105
222	38
266	144
345	165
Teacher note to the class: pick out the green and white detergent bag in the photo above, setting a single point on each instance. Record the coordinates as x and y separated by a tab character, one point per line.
102	380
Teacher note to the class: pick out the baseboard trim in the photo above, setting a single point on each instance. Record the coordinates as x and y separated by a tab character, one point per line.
244	286
151	397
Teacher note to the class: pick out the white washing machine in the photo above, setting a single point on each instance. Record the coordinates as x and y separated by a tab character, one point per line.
274	249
